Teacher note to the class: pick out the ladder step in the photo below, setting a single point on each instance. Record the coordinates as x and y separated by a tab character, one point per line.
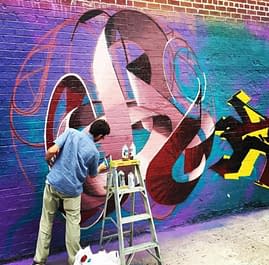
126	190
124	163
135	218
110	236
116	235
140	247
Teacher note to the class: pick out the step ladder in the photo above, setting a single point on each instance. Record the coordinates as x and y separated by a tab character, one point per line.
123	220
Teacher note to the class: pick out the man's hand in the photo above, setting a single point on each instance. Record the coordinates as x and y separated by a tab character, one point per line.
102	167
51	154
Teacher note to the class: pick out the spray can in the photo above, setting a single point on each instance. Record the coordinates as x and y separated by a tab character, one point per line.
109	182
132	151
121	175
131	180
125	152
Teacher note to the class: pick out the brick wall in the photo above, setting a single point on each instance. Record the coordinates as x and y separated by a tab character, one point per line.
145	65
237	10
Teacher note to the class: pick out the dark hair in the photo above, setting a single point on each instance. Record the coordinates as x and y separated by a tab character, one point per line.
99	127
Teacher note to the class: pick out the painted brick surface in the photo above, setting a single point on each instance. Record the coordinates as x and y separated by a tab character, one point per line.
187	81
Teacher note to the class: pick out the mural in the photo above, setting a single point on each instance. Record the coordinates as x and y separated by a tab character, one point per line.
249	140
159	83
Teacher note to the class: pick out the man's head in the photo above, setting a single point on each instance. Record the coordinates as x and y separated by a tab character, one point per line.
99	129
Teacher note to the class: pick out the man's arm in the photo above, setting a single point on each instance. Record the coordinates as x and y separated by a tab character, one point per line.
53	151
51	154
95	169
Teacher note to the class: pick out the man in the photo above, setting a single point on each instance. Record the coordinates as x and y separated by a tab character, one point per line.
72	158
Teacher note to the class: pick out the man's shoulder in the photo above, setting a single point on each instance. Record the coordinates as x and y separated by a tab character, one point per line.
73	131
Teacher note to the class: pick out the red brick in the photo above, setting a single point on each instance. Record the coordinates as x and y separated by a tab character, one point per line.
154	6
214	13
241	11
246	17
210	7
256	18
225	14
186	4
230	9
221	8
166	8
261	14
130	3
109	1
196	5
121	2
173	2
251	12
235	15
179	9
191	10
203	12
139	4
265	19
161	1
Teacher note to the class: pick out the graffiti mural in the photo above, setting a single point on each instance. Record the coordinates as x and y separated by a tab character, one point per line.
248	138
130	88
162	84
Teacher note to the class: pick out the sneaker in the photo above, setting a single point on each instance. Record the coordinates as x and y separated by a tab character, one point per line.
36	263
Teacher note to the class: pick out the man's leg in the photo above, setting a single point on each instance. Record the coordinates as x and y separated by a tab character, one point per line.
72	234
50	206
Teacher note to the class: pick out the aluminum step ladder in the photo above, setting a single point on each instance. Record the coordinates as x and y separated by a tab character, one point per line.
123	220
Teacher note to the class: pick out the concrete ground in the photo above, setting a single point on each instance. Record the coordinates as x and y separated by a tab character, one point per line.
235	240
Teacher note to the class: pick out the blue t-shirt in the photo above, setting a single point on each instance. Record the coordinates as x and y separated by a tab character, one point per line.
77	159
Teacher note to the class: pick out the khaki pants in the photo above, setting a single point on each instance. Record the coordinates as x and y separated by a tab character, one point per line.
51	199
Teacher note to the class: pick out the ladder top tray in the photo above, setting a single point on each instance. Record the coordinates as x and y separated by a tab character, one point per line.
123	163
